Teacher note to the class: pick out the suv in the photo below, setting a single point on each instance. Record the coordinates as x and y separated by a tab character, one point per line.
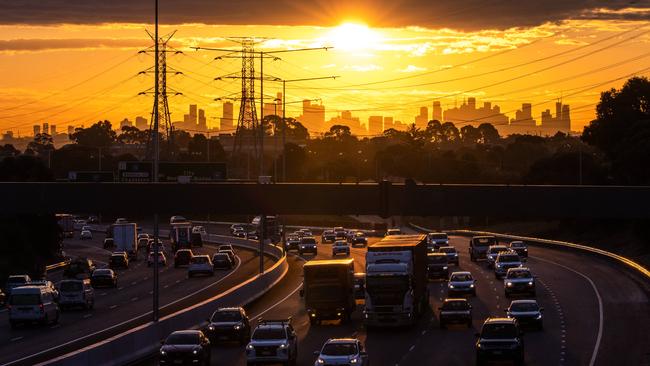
492	253
185	347
451	253
359	238
340	247
16	281
273	341
229	324
328	236
519	280
76	293
437	266
504	262
437	240
292	243
307	245
343	351
182	257
520	247
455	311
32	304
103	277
339	233
478	246
500	339
118	260
527	312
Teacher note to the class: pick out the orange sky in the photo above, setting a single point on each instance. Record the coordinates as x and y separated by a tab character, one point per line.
78	74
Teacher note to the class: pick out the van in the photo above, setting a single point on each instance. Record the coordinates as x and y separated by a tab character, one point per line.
76	293
29	304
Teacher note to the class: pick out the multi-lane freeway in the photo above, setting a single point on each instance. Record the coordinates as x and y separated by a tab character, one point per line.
117	309
595	314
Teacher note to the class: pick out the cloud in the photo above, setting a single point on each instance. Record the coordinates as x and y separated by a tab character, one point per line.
463	15
35	45
412	68
363	68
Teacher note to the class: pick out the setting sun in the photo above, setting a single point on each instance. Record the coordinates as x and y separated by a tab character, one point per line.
352	36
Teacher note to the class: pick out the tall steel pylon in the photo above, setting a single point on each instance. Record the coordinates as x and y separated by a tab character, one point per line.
247	123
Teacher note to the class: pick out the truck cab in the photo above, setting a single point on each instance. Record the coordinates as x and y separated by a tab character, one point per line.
328	289
478	246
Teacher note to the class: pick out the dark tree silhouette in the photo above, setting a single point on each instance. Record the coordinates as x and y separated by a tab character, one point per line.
100	134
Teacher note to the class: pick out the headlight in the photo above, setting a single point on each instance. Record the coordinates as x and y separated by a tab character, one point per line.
451	286
509	284
283	345
530	283
445	267
320	361
525	249
195	352
498	265
539	316
210	327
249	347
354	360
162	352
471	285
237	327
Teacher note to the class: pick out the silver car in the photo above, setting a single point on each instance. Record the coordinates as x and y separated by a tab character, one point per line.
504	262
343	351
492	253
519	281
273	341
32	304
527	312
461	283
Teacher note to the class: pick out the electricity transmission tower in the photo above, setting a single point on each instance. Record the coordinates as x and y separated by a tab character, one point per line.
160	110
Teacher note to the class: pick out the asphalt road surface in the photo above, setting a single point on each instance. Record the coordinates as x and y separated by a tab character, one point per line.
596	313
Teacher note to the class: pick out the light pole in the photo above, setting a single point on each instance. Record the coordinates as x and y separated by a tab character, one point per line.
156	157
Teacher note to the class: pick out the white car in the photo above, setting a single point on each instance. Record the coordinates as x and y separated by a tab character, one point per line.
86	234
200	264
461	282
344	351
162	259
340	247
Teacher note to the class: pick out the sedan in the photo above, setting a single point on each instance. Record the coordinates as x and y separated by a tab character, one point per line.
527	312
86	235
342	351
200	264
452	254
221	261
185	347
161	259
461	283
103	277
455	311
340	247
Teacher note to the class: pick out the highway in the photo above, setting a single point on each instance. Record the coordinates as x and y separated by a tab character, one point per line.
595	314
117	309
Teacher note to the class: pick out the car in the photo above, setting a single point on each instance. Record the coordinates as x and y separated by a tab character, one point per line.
161	245
461	282
3	298
28	304
239	233
144	236
14	281
340	247
455	310
78	224
103	277
342	351
492	252
451	253
339	232
527	313
229	324
79	268
500	339
200	264
292	243
177	219
118	260
478	246
273	341
108	243
437	266
520	248
437	240
359	238
143	242
504	262
252	235
328	236
231	255
86	227
308	245
162	259
199	230
519	281
393	231
182	257
359	286
234	227
75	292
221	261
185	347
225	247
47	284
306	232
86	235
93	220
121	220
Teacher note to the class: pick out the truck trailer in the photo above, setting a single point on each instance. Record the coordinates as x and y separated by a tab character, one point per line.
328	289
396	281
180	235
125	239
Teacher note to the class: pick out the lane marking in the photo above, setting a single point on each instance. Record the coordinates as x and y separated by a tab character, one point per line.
134	298
284	298
87	316
55	326
599	337
112	306
16	339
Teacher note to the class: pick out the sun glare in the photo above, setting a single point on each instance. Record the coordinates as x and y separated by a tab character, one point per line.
352	36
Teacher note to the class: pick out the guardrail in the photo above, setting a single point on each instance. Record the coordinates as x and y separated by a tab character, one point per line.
140	342
55	266
552	243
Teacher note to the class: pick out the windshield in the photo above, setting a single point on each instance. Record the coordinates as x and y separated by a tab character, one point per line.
117	258
518	244
497	249
16	280
484	242
339	349
308	241
200	260
499	331
226	316
340	244
331	292
387	290
437	259
461	277
269	333
447	250
519	274
438	236
102	272
524	306
455	305
508	258
25	299
71	286
183	338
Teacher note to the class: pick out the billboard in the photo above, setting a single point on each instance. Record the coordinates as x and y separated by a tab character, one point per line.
141	171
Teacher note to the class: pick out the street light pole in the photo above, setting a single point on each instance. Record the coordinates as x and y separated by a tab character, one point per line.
156	249
284	128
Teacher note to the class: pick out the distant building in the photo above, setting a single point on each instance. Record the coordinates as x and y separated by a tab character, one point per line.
560	123
388	123
313	116
423	119
37	129
436	111
70	129
202	121
376	125
46	128
274	108
346	119
53	130
141	123
227	122
125	123
467	113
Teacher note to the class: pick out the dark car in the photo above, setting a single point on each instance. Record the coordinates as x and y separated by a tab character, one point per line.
520	248
292	243
527	313
221	261
308	245
328	236
103	277
359	238
230	253
437	266
500	340
478	246
359	285
3	298
118	260
185	347
229	324
108	243
183	257
16	281
455	311
80	267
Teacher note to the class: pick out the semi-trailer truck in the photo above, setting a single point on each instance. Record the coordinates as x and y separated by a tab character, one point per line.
66	223
180	235
328	289
396	281
125	239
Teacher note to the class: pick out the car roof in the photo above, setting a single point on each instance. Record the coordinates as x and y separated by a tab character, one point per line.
436	255
520	269
188	331
27	290
509	252
461	272
456	299
526	301
342	340
500	321
447	247
201	256
231	308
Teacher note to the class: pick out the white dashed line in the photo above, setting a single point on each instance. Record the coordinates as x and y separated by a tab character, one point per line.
120	288
16	339
112	306
55	326
134	298
133	283
87	316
